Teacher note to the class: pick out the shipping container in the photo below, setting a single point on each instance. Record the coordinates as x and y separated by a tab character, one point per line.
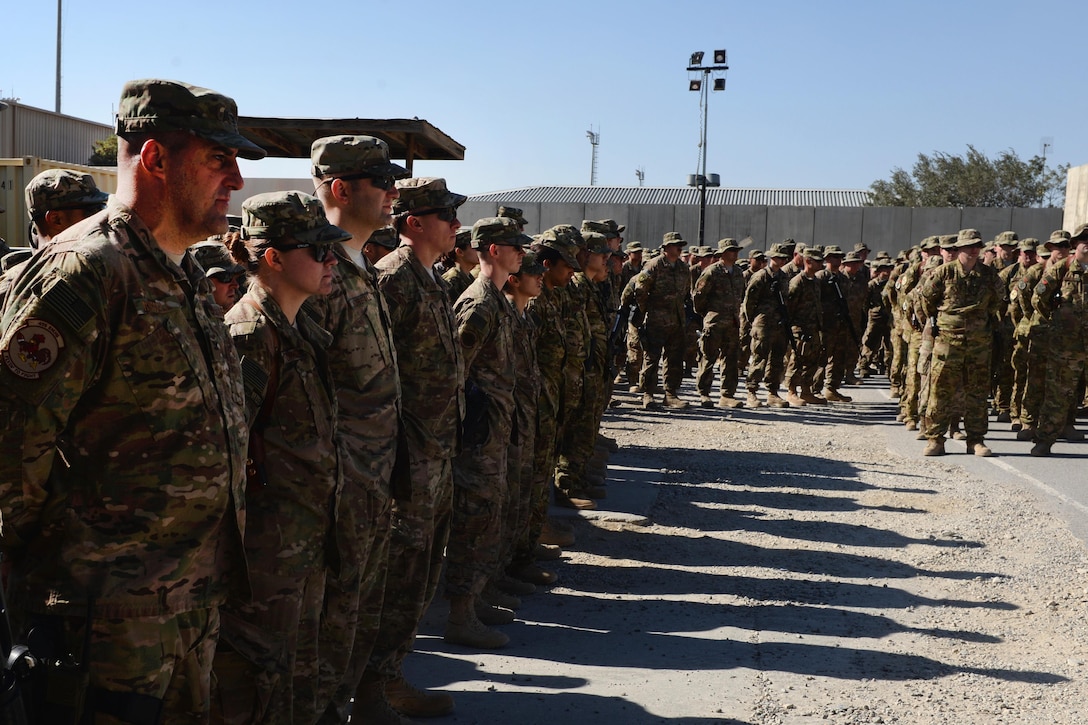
15	174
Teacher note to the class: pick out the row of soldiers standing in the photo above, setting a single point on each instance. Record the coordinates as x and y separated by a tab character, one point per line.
1001	322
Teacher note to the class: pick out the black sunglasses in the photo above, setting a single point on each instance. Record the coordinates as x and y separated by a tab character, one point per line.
379	181
320	251
224	277
445	213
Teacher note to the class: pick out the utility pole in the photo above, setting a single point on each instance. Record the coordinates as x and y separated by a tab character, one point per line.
640	172
595	139
58	55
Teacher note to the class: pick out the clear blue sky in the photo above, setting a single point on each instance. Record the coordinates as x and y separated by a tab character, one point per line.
826	95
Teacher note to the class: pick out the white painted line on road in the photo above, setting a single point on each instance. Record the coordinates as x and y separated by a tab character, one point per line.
1039	484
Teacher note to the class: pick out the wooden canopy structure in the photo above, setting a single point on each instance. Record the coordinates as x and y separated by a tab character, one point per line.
408	138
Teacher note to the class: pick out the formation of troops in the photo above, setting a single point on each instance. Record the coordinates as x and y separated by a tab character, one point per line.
238	463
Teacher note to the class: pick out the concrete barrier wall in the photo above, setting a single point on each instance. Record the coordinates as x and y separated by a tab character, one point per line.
882	228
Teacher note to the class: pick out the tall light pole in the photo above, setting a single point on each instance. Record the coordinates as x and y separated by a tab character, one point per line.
59	14
595	139
699	77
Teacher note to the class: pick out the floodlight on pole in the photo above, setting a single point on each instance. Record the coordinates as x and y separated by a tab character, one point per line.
703	73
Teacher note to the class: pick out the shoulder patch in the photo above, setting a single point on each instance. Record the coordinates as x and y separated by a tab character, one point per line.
254	379
68	305
32	349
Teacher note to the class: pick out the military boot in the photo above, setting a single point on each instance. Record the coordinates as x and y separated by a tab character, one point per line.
490	615
1040	449
810	397
834	396
773	401
672	400
371	706
1069	433
474	633
1026	433
754	401
728	401
979	448
557	534
498	598
705	401
632	378
935	447
648	402
794	399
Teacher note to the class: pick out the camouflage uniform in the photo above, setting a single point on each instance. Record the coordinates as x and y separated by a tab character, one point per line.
1034	327
1062	295
964	304
1016	309
835	328
485	322
103	463
717	297
763	303
661	289
551	355
432	407
803	300
458	282
266	665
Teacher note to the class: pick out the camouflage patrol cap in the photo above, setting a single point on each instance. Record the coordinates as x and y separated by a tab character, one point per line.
531	264
338	156
498	230
672	238
852	257
789	245
1081	232
608	227
883	263
968	238
930	242
756	254
288	215
385	237
154	104
55	189
633	247
1006	239
1043	252
703	252
463	238
812	253
214	257
561	244
779	251
1059	238
1028	244
425	192
728	245
862	247
512	212
596	243
881	255
946	241
833	250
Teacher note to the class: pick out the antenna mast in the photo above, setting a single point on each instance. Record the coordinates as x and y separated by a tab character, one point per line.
595	139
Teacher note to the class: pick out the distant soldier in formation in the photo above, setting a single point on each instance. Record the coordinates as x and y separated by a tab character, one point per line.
717	298
765	315
661	289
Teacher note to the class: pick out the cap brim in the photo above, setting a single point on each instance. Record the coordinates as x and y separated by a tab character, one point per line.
246	148
328	234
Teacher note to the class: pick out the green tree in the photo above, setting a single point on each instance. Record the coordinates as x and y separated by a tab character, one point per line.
104	152
973	179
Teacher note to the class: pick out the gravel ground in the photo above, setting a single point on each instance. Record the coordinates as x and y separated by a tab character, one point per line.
761	566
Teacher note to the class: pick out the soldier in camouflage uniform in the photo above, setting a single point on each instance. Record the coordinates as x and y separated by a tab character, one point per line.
876	342
485	327
421	319
1062	294
380	243
122	453
512	212
836	329
355	181
1011	277
805	306
266	665
911	325
661	289
460	264
764	305
222	271
1035	327
717	298
59	198
965	297
856	290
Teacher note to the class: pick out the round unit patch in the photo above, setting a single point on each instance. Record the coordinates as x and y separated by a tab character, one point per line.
32	349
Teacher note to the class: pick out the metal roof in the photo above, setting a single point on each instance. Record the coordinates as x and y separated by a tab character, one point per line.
408	138
716	196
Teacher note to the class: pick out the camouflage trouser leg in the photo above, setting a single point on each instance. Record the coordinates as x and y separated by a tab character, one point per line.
1002	370
767	364
353	609
908	399
1063	373
543	462
580	435
522	496
691	343
1019	373
803	363
1034	378
897	371
472	554
835	350
420	529
719	345
925	369
959	366
874	343
634	355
